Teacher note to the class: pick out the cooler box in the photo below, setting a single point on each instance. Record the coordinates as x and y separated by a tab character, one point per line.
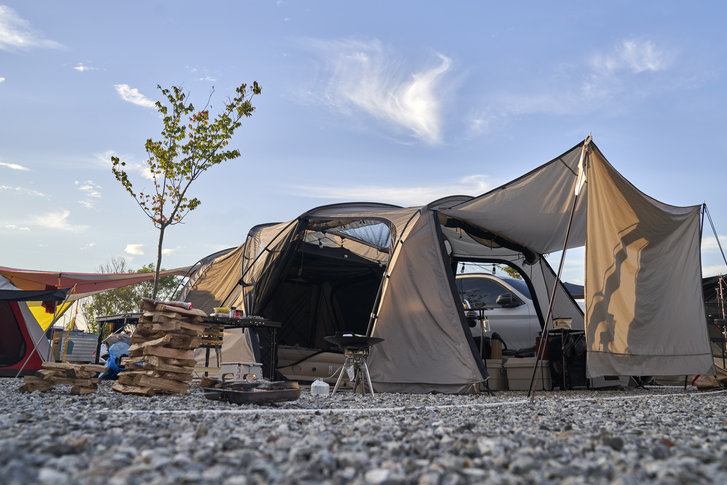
519	371
237	371
496	371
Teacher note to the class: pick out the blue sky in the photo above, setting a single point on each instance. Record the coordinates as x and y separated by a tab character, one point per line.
399	102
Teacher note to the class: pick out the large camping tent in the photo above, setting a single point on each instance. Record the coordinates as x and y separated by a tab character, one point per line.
389	272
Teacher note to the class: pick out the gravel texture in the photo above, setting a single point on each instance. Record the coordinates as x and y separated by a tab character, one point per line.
662	435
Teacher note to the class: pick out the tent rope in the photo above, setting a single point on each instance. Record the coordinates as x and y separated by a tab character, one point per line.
711	223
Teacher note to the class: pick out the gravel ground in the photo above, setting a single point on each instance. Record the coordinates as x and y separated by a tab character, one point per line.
663	435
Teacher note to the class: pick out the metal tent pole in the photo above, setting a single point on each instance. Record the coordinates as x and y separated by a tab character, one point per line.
544	334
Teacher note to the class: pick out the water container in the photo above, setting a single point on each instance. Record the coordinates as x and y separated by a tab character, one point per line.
319	388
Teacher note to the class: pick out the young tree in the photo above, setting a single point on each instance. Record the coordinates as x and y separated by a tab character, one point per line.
190	143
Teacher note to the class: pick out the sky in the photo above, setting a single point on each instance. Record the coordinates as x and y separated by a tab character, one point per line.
400	102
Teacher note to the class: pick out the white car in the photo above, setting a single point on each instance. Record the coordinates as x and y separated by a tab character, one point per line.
507	305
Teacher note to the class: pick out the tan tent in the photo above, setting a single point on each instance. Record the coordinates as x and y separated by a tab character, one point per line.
389	272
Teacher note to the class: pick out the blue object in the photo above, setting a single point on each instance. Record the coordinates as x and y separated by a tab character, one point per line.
113	364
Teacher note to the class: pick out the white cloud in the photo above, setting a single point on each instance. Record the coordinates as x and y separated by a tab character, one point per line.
709	243
86	203
81	67
14	227
406	196
632	56
13	166
56	221
714	270
365	77
16	33
88	246
2	79
89	188
134	249
168	251
131	165
132	95
594	84
24	190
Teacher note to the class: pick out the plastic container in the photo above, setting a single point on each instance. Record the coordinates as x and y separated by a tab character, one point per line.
319	388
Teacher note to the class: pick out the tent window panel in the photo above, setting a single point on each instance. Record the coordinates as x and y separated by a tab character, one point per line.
480	292
12	342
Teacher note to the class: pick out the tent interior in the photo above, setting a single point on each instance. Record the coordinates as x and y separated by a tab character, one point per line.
323	291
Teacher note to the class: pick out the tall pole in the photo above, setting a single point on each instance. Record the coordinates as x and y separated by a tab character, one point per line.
580	180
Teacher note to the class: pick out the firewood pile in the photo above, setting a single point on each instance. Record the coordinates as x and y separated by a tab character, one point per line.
161	356
83	378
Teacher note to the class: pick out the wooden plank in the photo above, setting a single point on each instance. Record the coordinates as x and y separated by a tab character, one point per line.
181	342
92	367
163	384
157	361
164	352
124	389
58	365
74	382
28	387
134	377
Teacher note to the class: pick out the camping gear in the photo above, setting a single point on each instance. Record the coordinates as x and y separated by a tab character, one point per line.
258	391
28	306
519	371
241	370
114	365
319	388
388	272
355	351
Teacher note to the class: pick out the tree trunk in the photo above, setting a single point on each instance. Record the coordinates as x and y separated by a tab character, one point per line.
159	262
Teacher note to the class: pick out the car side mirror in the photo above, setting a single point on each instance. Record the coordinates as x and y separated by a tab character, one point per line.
508	300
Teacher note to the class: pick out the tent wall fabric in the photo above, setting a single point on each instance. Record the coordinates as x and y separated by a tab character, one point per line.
644	314
20	332
19	335
426	344
645	308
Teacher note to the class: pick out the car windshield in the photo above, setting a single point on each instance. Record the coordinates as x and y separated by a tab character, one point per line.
519	285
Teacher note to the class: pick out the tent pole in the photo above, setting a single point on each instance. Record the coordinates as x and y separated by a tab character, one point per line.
711	223
544	334
56	315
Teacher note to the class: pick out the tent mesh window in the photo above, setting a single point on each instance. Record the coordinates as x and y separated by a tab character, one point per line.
12	342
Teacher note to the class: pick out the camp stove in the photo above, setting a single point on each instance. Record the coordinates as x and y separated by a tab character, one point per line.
356	350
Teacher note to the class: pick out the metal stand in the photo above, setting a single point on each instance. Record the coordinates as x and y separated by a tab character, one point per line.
356	357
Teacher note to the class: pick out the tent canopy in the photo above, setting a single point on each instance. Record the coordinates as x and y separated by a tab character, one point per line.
644	311
84	284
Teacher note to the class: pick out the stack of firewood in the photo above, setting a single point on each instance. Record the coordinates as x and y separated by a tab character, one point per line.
83	378
161	356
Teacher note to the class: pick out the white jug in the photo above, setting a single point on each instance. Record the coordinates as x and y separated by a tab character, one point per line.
319	388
